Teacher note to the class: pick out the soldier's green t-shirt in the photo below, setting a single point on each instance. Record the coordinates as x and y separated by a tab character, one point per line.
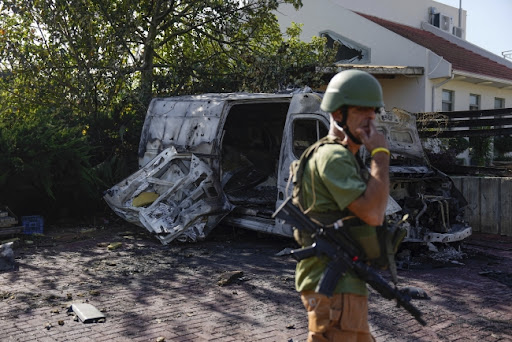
337	183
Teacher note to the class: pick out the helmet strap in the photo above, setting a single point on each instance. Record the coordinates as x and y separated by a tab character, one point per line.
342	125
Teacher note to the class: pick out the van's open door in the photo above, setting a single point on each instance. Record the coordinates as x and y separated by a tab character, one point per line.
175	195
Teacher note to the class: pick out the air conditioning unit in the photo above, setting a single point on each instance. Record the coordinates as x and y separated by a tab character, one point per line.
445	23
458	31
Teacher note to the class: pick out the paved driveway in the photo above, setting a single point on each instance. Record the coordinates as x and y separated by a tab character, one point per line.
231	287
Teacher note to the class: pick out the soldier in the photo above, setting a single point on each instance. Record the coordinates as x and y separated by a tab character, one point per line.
333	186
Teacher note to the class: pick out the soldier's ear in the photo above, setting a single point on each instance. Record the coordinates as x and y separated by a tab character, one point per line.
337	115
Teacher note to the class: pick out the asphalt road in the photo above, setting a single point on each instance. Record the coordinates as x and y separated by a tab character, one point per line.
230	287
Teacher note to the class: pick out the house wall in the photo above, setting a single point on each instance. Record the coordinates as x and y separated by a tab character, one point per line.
462	91
406	93
413	94
324	15
403	92
408	12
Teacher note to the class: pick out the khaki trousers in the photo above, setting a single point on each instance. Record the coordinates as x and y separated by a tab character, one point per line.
342	317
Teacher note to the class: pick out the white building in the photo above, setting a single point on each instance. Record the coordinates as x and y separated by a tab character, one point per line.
416	49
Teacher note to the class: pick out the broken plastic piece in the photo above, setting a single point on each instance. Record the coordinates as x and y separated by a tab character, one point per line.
87	313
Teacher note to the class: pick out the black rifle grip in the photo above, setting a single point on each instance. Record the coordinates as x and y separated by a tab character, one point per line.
333	272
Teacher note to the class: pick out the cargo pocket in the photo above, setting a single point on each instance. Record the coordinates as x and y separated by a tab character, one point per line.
354	313
336	308
318	307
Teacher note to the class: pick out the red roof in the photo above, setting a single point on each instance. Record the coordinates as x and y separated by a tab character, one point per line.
461	59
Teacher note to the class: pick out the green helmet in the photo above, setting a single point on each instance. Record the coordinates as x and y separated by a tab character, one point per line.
353	88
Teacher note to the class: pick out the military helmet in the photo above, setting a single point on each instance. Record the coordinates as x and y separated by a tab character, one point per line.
352	88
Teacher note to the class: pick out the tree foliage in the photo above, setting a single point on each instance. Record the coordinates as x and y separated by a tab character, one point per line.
85	71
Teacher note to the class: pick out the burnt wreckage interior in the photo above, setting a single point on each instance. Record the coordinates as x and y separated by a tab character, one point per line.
434	205
250	150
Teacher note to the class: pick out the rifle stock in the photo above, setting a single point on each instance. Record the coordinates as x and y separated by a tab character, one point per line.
343	256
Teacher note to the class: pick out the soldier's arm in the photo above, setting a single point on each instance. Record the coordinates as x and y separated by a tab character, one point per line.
371	205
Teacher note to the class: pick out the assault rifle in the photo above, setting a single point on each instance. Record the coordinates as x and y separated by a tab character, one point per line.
337	245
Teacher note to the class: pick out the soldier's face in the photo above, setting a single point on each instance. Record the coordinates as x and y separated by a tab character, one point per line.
360	117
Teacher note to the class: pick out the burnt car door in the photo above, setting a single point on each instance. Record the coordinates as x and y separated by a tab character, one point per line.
305	124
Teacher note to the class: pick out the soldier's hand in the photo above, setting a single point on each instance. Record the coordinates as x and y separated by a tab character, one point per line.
372	138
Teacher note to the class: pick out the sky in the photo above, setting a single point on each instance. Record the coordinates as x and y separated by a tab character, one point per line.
487	23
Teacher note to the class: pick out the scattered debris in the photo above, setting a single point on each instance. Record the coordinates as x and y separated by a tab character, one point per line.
7	295
447	253
88	230
227	278
290	326
114	245
160	339
8	222
86	313
48	326
61	322
432	247
7	257
94	293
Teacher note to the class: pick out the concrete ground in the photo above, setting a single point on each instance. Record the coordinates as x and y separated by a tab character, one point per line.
230	287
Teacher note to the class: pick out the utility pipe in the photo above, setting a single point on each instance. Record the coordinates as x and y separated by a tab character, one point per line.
460	13
437	86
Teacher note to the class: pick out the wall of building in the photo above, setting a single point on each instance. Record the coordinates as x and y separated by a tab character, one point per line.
463	89
407	12
414	94
387	48
407	93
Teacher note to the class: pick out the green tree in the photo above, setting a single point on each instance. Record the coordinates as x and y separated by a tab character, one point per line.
92	66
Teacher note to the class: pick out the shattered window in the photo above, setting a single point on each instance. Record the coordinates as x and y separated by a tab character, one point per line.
347	50
305	133
404	137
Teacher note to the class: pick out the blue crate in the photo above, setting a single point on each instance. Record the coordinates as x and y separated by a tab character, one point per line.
32	224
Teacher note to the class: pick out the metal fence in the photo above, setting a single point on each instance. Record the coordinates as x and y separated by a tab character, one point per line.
468	123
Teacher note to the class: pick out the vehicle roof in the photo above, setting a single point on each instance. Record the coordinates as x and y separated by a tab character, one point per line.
226	96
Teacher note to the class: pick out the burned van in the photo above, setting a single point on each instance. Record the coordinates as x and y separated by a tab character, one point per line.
213	158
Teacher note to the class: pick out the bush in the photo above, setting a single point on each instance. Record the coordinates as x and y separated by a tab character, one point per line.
503	144
44	166
480	150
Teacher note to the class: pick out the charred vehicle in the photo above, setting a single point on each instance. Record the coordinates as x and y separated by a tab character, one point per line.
225	157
